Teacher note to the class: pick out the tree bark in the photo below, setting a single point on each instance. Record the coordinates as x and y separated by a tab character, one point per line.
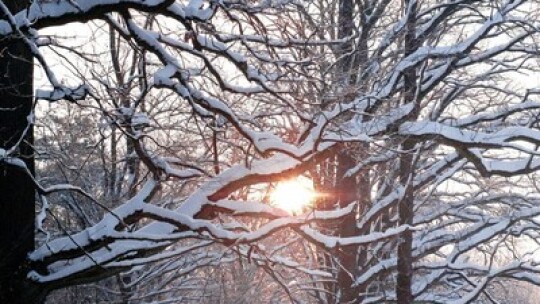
406	171
356	188
346	187
17	194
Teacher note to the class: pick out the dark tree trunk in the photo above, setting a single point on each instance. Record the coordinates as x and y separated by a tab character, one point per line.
406	174
356	188
347	192
346	188
406	212
17	193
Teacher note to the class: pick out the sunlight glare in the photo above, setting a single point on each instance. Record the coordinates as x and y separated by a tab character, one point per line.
294	195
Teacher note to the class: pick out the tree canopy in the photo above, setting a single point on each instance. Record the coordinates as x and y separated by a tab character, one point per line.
162	127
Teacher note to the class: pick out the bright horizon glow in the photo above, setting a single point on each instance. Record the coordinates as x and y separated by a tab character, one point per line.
293	195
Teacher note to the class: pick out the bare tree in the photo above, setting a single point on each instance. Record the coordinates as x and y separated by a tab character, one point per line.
404	112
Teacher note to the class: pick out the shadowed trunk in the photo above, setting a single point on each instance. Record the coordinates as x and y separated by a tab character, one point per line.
406	171
355	188
16	188
346	188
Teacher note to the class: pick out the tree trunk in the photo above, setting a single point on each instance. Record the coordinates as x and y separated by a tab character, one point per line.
406	212
17	192
406	171
346	187
356	188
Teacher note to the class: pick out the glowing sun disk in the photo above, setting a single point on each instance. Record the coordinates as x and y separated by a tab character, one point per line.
294	195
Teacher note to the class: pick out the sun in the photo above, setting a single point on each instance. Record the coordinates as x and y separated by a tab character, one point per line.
294	195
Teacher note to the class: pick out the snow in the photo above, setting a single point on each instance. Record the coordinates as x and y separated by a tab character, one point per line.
462	224
197	9
330	242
